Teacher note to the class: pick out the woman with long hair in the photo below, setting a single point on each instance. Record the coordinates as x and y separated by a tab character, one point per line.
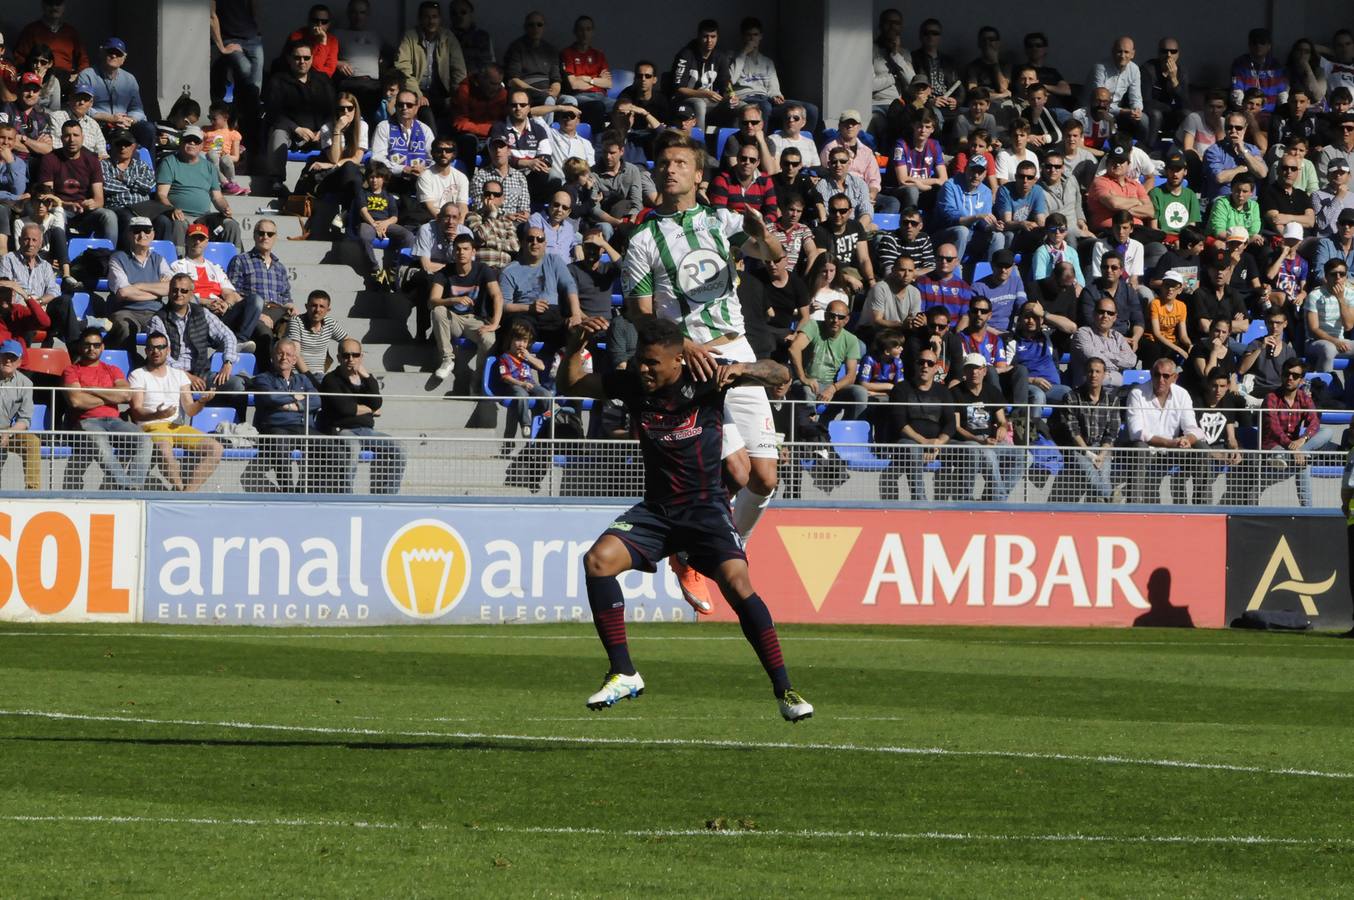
1305	71
40	62
823	288
337	173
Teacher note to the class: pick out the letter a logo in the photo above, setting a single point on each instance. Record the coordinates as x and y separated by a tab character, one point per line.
1306	590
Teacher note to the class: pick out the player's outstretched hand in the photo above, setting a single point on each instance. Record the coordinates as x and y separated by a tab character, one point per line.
728	374
700	362
581	333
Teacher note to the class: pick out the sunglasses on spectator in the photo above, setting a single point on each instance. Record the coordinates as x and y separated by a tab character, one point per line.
1292	374
302	57
1163	376
1025	177
1170	50
1105	312
1288	168
840	210
1057	229
1236	127
1339	273
345	107
518	105
318	21
947	258
795	118
836	316
984	310
405	104
1052	166
444	149
351	355
191	139
264	233
563	206
793	163
926	362
493	193
141	229
837	162
646	75
752	121
157	347
535	239
749	159
91	345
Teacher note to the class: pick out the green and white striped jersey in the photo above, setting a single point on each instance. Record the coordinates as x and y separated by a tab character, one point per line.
685	261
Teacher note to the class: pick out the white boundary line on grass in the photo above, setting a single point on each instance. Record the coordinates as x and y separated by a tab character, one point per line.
802	834
502	633
679	742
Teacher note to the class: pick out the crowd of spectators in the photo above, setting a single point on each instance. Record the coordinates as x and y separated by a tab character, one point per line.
984	234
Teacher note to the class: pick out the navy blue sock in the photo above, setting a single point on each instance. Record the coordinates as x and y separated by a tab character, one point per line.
608	614
760	632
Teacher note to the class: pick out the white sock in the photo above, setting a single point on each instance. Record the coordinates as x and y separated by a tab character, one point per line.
748	507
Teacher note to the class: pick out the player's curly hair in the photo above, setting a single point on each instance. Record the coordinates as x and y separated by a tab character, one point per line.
655	332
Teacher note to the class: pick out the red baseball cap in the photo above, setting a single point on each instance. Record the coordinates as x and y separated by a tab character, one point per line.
30	78
199	228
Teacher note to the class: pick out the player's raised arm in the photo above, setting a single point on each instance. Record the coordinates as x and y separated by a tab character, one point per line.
575	381
761	243
764	372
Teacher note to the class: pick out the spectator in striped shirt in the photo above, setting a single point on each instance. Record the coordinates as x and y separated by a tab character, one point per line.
944	286
909	240
314	333
744	186
794	235
1257	68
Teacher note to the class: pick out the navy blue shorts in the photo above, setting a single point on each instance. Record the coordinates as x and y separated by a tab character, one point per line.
705	533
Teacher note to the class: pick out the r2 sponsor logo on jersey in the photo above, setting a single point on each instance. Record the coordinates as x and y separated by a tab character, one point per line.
703	275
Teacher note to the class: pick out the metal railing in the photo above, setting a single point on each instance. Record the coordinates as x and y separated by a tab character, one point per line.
562	453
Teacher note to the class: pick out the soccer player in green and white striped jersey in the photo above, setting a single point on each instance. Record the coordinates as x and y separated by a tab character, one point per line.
680	264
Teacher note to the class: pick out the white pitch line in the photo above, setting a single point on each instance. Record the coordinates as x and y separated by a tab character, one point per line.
683	742
209	633
797	834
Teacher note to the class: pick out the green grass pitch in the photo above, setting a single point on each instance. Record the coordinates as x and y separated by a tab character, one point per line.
462	762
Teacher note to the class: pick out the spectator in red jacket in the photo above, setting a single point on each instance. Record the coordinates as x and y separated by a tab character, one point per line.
18	320
477	103
319	37
68	51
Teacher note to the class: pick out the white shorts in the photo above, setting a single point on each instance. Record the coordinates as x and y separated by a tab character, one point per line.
748	423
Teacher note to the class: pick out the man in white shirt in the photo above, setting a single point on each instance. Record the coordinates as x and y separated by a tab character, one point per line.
793	135
1162	430
1123	79
442	182
565	143
161	403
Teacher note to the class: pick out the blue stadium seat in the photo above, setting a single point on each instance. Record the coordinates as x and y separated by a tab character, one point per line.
244	366
887	221
42	422
207	420
851	440
220	252
1046	456
143	154
117	358
165	249
302	155
1136	376
696	135
79	245
380	243
1256	331
1340	364
620	80
981	269
721	140
80	304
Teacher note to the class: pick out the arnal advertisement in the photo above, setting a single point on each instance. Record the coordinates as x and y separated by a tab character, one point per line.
365	564
927	567
70	562
1289	563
